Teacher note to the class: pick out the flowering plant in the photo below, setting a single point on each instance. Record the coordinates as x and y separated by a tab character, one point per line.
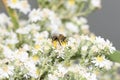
53	43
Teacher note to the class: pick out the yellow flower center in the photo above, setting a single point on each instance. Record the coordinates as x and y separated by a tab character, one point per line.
100	59
35	58
40	38
24	4
14	1
37	72
92	36
37	46
71	2
5	68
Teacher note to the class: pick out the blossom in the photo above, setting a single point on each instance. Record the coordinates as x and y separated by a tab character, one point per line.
70	5
35	15
84	48
74	53
80	20
39	37
110	46
26	47
96	3
101	62
12	38
21	5
24	6
61	70
102	44
6	71
30	66
85	27
4	19
90	76
28	28
94	48
55	22
52	77
72	27
14	4
8	53
21	55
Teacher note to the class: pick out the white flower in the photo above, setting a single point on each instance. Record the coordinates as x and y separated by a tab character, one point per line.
80	20
110	46
84	48
38	37
101	62
73	43
21	55
13	38
28	28
90	76
32	70
108	64
46	12
8	53
70	5
35	15
82	71
6	71
52	77
21	5
26	47
94	48
55	22
96	3
61	70
13	3
4	19
24	30
102	44
76	69
73	28
84	37
33	27
24	6
85	27
3	31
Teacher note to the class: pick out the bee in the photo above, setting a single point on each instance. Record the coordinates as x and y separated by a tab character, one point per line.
59	39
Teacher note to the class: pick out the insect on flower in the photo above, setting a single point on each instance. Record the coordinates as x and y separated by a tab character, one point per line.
59	39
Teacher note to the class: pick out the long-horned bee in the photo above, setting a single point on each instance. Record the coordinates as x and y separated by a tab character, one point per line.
59	40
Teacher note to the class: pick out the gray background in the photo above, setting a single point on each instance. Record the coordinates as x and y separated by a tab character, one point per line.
104	22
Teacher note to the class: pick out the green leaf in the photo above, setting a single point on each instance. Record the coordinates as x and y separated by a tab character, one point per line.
115	57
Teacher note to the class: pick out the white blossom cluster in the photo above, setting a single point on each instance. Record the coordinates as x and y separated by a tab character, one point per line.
29	52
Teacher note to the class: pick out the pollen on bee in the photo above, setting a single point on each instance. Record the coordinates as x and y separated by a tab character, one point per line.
55	43
64	43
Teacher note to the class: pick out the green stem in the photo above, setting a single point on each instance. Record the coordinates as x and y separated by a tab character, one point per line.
12	14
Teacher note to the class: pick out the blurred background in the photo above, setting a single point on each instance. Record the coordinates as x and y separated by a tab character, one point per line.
104	22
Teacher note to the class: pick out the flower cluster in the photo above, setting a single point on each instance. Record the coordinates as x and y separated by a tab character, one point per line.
54	43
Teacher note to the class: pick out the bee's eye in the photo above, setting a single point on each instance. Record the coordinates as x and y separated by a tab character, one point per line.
54	38
7	63
64	38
